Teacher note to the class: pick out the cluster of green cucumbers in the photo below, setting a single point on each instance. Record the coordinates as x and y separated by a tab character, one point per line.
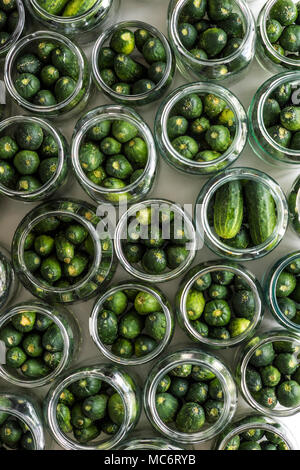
66	7
189	397
220	305
113	155
294	205
288	291
9	17
282	118
132	323
210	29
29	159
201	127
14	434
88	407
146	245
47	75
119	68
243	213
273	375
34	344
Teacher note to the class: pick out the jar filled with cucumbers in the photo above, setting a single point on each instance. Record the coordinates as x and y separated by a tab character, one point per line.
201	129
78	19
62	253
40	342
212	40
114	155
268	373
190	396
132	323
155	240
47	75
93	407
294	206
21	424
133	63
241	213
219	304
12	24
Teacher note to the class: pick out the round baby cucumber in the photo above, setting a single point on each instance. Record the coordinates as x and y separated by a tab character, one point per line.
123	41
122	347
131	325
213	41
27	85
217	313
85	387
166	406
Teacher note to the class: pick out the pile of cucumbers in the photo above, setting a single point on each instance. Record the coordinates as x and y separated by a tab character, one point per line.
288	291
28	158
210	29
243	213
132	323
113	155
189	397
273	375
294	205
201	127
14	434
47	74
34	344
282	117
134	63
9	18
66	7
220	305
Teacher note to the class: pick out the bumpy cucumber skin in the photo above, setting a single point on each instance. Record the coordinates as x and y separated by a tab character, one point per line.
53	7
228	210
77	7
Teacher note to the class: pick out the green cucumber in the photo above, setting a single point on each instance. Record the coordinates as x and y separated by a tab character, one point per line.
228	210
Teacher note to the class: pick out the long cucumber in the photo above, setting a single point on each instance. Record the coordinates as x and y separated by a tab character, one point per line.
228	209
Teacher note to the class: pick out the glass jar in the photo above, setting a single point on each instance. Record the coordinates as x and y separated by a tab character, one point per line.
8	279
5	103
148	444
69	330
16	33
245	279
294	206
286	341
133	192
228	68
25	408
82	27
71	106
165	308
229	439
102	268
155	206
268	57
196	358
192	166
202	214
112	375
260	140
10	127
143	98
270	287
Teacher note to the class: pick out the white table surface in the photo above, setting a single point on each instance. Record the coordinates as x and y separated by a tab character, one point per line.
171	185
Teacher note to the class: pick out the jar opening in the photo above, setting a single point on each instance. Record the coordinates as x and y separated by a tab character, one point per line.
17	31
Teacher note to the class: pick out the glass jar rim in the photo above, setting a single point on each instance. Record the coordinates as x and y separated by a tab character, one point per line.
78	136
176	95
51	129
71	19
18	29
142	275
97	308
239	173
23	43
131	99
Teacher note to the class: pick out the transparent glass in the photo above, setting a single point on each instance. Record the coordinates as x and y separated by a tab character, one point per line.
14	37
24	407
124	384
9	127
82	27
184	164
134	192
165	306
100	272
8	280
227	69
186	285
71	106
266	55
202	359
121	234
270	283
242	358
264	423
294	206
260	140
148	443
205	200
144	98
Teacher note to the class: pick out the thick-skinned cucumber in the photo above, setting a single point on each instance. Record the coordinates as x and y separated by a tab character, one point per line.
228	210
77	7
53	6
